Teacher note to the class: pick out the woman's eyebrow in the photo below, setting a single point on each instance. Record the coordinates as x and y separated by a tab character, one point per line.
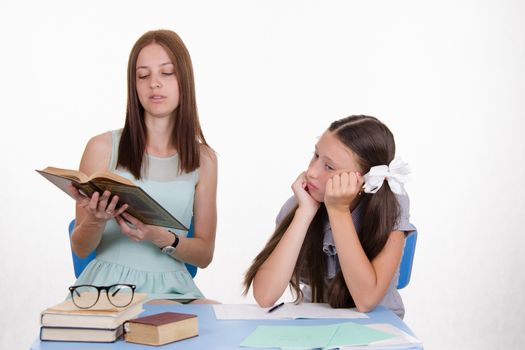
160	65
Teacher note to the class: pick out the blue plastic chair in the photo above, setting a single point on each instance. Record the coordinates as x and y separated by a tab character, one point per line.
405	269
79	264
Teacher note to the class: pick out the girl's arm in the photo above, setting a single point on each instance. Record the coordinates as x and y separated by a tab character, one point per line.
275	273
366	280
199	249
91	215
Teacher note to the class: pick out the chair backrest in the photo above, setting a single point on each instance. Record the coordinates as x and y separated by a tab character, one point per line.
405	269
79	264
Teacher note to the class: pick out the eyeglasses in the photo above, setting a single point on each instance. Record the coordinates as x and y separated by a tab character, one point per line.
85	296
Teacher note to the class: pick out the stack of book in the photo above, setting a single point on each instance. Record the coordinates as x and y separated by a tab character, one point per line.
101	323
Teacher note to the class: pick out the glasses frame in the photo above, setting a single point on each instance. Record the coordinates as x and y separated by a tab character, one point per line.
72	289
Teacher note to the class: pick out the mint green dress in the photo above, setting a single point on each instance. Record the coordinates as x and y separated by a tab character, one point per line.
119	259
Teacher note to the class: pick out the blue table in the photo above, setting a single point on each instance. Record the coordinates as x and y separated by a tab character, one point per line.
217	334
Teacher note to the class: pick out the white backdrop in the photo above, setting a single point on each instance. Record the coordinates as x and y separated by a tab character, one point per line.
447	77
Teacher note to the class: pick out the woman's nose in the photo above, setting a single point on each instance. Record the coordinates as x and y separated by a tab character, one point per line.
155	83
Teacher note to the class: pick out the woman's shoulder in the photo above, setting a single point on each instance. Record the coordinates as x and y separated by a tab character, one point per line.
101	142
208	154
97	154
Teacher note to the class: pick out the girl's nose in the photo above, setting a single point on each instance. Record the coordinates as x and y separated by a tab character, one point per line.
311	172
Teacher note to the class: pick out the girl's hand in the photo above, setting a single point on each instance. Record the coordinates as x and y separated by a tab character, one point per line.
99	207
304	199
342	189
140	231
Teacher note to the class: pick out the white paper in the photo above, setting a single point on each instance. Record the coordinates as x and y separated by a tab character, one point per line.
402	341
287	311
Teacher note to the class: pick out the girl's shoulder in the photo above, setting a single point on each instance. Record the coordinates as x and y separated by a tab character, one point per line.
403	219
285	209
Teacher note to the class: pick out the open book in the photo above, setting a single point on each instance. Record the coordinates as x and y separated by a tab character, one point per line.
140	204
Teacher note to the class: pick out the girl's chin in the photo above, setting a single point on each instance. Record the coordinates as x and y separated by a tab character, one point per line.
317	196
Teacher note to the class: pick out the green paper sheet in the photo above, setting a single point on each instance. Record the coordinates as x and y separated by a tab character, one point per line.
351	333
290	336
310	337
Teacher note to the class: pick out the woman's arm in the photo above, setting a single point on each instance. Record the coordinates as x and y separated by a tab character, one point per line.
275	273
91	215
199	249
366	280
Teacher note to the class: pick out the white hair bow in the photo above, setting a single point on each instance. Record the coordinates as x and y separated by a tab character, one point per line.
396	174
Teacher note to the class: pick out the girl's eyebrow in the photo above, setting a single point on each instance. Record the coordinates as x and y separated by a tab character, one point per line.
160	65
326	157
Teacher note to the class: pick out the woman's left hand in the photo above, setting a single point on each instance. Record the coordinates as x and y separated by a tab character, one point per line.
342	189
141	231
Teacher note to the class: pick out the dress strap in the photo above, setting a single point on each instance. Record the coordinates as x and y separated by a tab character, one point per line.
115	140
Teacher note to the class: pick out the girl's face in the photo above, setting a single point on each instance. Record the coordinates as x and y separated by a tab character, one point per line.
157	85
331	157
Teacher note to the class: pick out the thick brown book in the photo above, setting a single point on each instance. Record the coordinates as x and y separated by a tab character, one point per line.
163	328
140	204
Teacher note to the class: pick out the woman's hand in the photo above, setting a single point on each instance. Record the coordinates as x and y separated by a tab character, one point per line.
98	207
342	189
143	232
304	199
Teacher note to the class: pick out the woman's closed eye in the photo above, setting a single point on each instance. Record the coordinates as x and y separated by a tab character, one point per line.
143	76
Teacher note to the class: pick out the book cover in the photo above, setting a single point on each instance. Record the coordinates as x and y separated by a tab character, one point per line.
78	334
161	328
140	204
103	315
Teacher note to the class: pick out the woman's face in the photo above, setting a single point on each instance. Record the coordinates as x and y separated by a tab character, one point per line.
331	157
157	85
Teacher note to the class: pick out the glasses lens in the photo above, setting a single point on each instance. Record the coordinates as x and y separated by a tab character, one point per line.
120	295
85	296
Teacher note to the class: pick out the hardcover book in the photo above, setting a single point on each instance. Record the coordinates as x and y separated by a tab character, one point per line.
140	204
103	315
99	335
162	328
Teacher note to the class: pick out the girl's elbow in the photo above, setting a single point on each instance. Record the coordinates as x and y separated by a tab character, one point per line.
365	305
262	297
263	300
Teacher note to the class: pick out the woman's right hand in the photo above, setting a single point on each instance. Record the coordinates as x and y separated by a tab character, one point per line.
98	207
304	199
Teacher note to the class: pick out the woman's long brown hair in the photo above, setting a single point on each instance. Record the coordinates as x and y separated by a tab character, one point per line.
374	144
187	134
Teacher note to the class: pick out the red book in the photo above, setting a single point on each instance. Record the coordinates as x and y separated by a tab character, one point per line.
160	329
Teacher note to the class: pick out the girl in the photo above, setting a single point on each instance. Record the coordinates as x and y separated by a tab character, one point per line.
163	149
341	240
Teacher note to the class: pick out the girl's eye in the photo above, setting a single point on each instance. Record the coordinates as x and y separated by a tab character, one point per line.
143	76
329	167
168	73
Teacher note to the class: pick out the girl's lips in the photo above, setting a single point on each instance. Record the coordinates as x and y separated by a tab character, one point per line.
311	186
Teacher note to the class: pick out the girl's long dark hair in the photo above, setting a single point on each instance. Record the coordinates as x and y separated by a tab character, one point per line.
374	144
187	134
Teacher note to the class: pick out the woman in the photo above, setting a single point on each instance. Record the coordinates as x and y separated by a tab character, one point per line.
162	148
